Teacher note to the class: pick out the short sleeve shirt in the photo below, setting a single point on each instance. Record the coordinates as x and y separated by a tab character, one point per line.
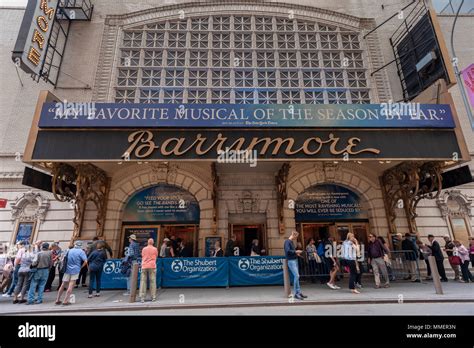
75	259
149	255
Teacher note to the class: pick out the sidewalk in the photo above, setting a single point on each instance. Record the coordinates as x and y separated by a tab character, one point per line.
113	300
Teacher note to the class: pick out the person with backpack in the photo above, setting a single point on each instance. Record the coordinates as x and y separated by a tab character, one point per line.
132	257
74	260
96	261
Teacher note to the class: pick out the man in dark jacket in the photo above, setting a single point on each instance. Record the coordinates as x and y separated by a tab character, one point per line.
376	254
411	256
438	254
229	247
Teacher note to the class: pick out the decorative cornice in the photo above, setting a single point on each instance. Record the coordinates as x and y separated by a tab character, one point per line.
23	200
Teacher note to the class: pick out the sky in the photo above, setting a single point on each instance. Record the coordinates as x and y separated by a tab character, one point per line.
13	2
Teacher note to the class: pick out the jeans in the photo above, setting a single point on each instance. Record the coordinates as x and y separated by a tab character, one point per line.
148	274
22	284
15	280
40	277
352	273
95	277
293	267
466	274
130	276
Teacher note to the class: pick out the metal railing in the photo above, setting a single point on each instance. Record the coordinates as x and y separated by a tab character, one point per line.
401	265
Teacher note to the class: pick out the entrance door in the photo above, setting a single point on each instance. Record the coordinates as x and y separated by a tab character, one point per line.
187	233
245	234
360	231
318	231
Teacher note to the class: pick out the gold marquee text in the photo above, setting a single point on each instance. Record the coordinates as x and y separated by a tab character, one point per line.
142	145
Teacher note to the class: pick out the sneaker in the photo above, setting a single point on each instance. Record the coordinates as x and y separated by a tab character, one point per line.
386	285
332	286
461	280
97	295
299	297
337	287
90	296
355	291
38	302
303	296
153	299
126	294
6	295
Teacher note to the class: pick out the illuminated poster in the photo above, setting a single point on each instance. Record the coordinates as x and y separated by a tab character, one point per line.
25	230
162	203
328	202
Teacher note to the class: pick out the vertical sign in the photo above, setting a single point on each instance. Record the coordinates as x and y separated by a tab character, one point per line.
32	42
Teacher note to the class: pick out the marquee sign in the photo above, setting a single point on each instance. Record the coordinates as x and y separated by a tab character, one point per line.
117	115
210	145
32	43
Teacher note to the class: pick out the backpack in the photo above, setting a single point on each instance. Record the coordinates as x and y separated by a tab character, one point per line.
63	263
126	266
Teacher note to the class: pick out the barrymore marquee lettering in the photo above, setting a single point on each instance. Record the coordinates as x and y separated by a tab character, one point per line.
142	145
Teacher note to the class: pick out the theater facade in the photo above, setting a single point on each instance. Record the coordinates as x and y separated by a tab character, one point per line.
202	120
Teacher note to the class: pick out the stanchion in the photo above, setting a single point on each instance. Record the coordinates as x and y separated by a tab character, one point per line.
286	278
133	283
435	275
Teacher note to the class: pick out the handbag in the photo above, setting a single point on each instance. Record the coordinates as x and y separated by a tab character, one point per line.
454	260
317	258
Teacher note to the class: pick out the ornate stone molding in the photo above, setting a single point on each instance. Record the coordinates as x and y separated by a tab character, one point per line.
163	172
406	185
92	184
25	199
463	204
247	203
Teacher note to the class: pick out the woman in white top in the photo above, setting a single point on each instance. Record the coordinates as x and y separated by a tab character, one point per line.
350	253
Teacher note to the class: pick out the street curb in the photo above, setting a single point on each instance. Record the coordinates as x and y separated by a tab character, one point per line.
139	306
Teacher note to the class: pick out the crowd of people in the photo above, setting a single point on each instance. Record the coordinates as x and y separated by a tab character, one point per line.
321	260
30	269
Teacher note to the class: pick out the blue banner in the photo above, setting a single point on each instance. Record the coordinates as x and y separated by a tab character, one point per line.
195	272
112	278
247	271
117	115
